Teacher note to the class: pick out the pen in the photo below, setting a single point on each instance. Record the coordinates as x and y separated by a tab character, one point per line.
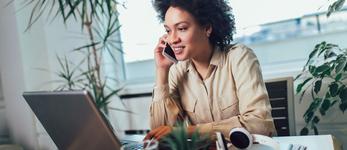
148	143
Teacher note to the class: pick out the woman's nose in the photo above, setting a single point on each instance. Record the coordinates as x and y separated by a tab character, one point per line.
173	38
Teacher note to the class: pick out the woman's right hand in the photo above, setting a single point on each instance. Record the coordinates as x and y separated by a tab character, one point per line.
162	63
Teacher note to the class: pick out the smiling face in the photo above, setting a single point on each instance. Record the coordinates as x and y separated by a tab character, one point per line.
187	38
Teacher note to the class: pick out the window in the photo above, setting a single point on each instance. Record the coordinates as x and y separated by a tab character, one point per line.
141	29
281	32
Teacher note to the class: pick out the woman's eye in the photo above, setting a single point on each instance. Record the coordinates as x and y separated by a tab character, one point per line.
182	29
167	31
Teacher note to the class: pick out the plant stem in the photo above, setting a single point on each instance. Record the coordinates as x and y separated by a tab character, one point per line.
88	24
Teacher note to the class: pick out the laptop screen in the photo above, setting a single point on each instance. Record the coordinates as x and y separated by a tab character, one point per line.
72	120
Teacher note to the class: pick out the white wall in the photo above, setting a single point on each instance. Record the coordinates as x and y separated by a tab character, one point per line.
18	116
23	56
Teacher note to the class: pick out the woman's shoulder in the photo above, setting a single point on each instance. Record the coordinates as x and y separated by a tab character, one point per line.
180	68
237	51
237	48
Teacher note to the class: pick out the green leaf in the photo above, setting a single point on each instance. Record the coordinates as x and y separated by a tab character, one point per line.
314	52
36	10
343	107
311	109
298	76
322	68
315	130
334	102
299	87
324	107
343	95
329	54
345	68
326	73
61	8
302	96
317	86
336	6
340	64
333	89
330	45
304	131
339	4
322	48
338	77
315	119
308	116
327	95
312	70
177	139
87	46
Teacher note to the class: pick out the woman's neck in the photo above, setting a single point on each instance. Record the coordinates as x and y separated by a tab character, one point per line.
202	61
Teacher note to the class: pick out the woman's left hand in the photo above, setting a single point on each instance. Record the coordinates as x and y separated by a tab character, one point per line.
158	133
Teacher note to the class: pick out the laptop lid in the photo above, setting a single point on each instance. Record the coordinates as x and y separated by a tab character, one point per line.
72	120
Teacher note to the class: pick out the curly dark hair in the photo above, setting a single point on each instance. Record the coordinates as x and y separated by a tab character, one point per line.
216	13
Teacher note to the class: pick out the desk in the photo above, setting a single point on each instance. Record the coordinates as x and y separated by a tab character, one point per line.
313	142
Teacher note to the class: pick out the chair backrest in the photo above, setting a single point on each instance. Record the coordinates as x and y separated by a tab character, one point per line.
281	93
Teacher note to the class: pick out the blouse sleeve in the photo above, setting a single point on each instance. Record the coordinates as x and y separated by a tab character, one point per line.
165	108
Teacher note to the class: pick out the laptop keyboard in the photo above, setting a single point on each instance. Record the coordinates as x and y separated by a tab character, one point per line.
135	147
132	145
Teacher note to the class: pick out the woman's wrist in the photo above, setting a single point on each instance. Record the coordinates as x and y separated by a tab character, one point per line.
162	76
191	129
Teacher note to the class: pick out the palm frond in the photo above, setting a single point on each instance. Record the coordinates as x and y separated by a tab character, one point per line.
86	46
100	18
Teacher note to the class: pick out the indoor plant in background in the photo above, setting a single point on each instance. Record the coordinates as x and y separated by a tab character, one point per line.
324	78
99	23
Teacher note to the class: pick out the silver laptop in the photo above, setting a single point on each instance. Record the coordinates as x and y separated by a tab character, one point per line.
72	120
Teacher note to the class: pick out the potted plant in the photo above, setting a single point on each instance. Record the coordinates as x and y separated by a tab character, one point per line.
99	20
324	78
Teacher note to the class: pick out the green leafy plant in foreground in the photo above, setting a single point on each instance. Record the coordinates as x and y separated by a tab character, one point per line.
179	139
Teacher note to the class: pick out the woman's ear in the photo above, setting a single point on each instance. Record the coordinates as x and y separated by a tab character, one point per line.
208	30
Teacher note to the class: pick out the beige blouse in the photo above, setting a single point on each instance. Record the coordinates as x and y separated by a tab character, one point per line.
233	94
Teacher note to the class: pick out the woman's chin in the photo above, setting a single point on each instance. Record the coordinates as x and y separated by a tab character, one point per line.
181	58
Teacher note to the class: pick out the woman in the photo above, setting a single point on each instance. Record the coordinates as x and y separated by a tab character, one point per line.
215	86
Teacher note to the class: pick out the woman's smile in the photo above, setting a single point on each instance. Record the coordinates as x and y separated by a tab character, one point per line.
178	50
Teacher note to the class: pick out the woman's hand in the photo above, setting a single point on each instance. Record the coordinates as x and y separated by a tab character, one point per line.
162	63
161	131
158	133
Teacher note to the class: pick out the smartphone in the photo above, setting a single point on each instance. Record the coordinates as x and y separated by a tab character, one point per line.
169	53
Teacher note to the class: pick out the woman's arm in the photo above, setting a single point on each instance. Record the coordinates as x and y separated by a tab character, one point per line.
165	108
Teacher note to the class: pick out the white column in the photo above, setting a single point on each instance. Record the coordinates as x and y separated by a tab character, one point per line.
19	117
